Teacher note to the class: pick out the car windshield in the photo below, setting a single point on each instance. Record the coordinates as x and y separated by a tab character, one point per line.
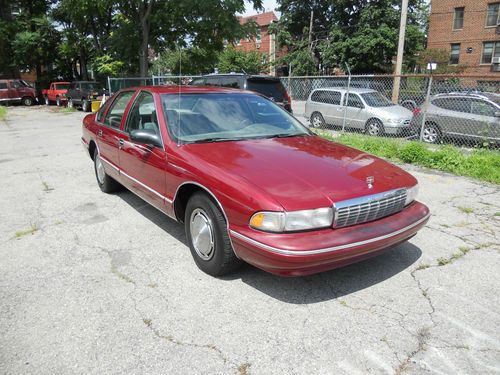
88	85
376	99
216	117
62	86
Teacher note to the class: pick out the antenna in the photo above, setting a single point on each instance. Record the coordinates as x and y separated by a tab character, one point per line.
179	98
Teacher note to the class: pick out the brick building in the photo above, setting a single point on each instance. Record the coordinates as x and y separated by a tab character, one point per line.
263	42
470	30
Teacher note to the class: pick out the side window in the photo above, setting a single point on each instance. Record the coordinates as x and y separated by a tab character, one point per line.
332	97
114	116
3	85
100	112
212	81
16	84
142	115
316	96
480	107
354	101
229	82
198	82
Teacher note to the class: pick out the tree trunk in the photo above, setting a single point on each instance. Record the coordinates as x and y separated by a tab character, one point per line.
145	19
83	64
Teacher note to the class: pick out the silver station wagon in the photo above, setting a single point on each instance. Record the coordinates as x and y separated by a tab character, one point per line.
366	109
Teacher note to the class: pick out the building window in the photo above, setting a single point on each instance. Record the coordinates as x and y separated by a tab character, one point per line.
492	18
258	36
490	50
458	21
455	53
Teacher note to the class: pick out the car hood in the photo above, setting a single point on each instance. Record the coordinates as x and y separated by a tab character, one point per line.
302	172
395	111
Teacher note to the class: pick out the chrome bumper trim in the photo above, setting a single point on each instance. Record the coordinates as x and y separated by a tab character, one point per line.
328	249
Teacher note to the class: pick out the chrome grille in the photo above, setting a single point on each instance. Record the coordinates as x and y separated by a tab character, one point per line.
368	208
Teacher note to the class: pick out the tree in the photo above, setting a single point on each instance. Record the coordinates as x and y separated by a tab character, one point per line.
441	57
232	60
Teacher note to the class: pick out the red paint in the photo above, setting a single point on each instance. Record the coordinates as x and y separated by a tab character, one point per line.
53	92
266	174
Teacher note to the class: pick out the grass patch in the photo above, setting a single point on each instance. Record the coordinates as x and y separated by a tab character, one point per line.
422	266
68	110
46	187
3	112
497	214
25	232
481	164
459	254
466	210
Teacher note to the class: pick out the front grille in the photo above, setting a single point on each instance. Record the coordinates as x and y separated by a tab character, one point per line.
406	122
368	208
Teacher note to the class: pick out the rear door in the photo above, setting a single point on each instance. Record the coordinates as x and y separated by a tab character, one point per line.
453	115
484	123
109	133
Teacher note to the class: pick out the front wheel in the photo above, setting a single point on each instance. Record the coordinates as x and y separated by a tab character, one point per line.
47	101
208	238
70	103
374	127
27	101
58	101
85	105
106	183
431	133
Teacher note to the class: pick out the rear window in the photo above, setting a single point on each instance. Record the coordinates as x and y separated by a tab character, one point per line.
329	97
273	89
453	104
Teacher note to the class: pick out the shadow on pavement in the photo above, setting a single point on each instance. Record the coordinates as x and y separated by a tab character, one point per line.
299	290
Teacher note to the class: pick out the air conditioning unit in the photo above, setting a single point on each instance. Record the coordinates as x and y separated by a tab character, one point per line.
495	60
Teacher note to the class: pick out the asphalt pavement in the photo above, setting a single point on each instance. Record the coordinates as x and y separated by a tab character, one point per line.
92	283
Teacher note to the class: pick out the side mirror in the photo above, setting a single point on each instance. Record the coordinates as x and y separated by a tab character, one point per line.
146	136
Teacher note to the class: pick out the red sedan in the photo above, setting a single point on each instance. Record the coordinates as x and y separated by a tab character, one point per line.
249	181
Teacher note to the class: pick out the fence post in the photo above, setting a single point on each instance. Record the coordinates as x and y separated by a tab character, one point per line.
109	86
289	77
426	105
346	97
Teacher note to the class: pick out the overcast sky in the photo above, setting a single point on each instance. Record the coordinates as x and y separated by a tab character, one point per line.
268	5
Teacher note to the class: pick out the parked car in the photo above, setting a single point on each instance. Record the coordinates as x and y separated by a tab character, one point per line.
366	109
249	181
16	91
81	94
56	93
270	87
472	116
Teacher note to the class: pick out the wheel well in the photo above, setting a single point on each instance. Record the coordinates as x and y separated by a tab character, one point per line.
373	119
183	195
430	122
92	147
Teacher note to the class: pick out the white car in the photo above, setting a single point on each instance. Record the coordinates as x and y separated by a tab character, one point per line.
366	109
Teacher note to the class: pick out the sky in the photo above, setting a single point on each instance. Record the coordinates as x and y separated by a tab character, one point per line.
268	6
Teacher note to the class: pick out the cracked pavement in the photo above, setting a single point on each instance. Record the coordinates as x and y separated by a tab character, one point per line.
92	283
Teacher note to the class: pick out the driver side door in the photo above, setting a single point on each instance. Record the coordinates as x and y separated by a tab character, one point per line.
143	166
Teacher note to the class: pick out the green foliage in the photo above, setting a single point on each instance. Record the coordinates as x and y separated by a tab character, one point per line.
482	164
232	60
186	61
441	57
3	113
105	65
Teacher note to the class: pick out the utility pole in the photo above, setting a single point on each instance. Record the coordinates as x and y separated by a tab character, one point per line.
310	30
401	45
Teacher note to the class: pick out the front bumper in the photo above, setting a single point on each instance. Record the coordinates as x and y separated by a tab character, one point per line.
304	253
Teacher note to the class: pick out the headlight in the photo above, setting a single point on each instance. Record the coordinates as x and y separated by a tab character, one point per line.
292	221
411	194
394	121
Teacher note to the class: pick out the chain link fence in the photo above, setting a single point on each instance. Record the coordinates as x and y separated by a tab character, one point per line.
458	109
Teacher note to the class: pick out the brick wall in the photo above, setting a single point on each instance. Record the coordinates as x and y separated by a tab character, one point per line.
471	36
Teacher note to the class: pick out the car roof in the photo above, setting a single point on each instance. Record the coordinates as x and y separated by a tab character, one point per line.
175	89
470	94
353	90
245	75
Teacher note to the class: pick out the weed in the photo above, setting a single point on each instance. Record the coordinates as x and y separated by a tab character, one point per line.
497	214
445	225
243	369
3	113
67	110
25	232
482	164
147	322
46	187
422	266
443	261
152	285
462	251
121	275
343	303
466	210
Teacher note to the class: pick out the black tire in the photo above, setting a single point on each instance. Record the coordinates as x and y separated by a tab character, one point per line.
58	101
317	120
374	127
219	259
70	103
431	133
85	105
106	183
47	101
27	101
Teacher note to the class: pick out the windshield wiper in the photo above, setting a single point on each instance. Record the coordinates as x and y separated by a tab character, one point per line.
217	139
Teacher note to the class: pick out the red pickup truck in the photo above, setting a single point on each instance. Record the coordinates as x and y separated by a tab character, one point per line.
56	93
16	91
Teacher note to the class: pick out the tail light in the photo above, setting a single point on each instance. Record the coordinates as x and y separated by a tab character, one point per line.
416	111
288	98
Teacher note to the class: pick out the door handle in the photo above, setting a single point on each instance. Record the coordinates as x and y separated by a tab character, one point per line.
121	143
99	133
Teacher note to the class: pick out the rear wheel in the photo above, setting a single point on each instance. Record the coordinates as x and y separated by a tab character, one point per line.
431	133
27	101
208	238
317	120
374	127
47	101
70	103
106	183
